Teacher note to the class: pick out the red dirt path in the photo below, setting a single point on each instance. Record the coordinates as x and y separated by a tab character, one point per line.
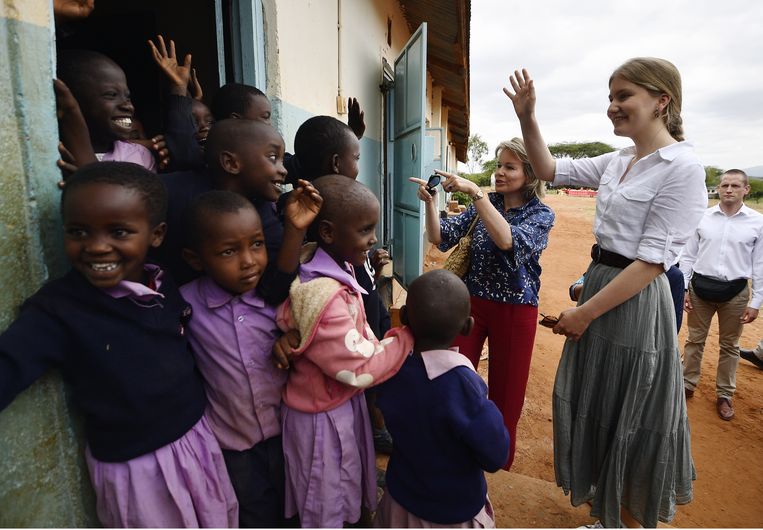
728	455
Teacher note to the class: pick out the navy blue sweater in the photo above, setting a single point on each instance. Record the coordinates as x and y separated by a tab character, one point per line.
131	369
446	432
182	188
180	135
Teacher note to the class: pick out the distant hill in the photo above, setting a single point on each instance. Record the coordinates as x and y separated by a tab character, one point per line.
755	172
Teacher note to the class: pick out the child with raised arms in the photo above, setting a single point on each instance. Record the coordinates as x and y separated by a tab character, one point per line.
328	447
100	87
445	428
324	145
188	119
232	334
115	325
245	157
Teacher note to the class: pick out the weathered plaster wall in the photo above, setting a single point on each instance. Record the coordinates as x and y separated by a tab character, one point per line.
305	63
304	69
43	480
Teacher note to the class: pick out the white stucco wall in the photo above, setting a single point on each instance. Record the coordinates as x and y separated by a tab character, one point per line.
309	70
305	66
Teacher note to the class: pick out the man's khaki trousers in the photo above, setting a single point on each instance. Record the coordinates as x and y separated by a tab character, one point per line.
729	331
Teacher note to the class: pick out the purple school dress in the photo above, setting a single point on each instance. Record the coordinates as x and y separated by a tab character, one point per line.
328	496
184	484
329	456
128	152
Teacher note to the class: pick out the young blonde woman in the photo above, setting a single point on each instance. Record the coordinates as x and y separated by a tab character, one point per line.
504	273
621	437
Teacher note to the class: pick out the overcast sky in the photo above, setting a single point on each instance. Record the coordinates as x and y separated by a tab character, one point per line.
571	47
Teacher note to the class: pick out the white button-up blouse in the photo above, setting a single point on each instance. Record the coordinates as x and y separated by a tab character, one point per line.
653	211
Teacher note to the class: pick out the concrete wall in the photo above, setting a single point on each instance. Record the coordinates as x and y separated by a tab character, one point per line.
304	69
310	62
43	480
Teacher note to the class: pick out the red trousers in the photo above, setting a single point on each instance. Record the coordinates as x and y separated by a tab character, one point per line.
510	330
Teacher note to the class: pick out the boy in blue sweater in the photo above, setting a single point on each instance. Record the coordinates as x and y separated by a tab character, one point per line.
446	430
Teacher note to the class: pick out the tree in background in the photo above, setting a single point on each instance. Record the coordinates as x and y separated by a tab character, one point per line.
712	176
476	150
580	149
482	178
490	166
756	191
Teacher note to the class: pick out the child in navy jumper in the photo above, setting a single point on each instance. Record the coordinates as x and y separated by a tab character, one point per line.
115	326
445	428
245	157
324	146
232	333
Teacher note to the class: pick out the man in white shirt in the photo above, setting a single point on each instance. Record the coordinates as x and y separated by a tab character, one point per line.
725	251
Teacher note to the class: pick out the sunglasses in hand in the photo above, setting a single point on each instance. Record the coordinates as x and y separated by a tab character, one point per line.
434	181
548	321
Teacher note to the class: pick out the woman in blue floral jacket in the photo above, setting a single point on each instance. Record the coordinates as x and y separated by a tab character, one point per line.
504	272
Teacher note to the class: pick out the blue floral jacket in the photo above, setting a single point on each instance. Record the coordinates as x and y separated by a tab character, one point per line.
511	276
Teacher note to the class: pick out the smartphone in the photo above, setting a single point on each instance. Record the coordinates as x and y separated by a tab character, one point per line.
548	321
434	181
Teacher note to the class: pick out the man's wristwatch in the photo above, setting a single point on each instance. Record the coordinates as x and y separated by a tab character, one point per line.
477	196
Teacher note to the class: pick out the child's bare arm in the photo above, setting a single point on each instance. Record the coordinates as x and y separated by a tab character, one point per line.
283	349
66	164
177	74
72	9
300	210
158	147
379	259
72	127
355	118
197	92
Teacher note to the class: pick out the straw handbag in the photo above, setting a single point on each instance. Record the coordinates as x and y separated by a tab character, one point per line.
458	261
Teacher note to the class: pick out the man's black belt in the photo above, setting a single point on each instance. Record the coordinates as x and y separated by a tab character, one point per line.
605	257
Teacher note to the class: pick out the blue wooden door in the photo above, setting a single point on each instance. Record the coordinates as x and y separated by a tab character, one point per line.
435	135
411	154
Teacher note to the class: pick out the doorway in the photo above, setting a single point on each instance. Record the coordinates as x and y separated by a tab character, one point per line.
225	38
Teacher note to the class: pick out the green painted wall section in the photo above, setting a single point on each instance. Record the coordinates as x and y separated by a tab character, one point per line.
43	478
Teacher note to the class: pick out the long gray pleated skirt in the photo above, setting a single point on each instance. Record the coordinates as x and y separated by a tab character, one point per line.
621	434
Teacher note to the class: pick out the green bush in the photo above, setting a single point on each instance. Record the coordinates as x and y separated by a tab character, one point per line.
756	188
480	179
461	197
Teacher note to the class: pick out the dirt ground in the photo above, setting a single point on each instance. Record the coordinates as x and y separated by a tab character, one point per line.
728	455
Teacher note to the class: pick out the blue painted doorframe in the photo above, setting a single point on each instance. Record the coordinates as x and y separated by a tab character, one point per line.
411	154
247	42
